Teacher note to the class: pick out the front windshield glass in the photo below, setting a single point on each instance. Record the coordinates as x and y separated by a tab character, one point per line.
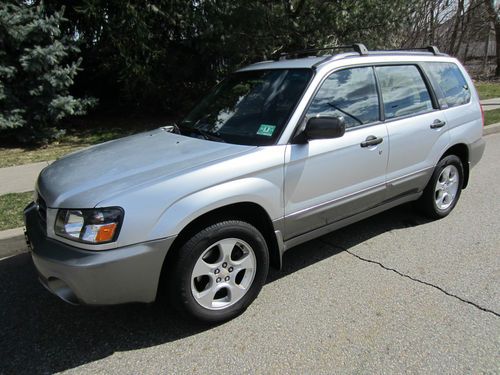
249	107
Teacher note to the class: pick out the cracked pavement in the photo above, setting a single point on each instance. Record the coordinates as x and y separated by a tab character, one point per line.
417	280
392	294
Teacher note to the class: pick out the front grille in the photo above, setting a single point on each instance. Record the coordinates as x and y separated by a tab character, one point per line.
42	209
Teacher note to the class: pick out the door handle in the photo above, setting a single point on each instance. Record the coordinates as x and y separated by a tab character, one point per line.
371	140
437	124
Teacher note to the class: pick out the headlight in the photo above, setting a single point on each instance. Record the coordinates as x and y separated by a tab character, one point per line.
97	225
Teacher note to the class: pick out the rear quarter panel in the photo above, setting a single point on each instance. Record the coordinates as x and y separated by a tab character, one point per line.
465	121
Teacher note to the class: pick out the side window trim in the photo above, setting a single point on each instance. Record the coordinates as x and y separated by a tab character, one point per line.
430	88
381	115
440	94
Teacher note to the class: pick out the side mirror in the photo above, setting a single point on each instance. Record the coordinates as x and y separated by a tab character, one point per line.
324	127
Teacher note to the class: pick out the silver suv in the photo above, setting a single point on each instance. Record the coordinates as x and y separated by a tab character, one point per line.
277	154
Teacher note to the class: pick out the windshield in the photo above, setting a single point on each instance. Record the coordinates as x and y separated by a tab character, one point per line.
249	107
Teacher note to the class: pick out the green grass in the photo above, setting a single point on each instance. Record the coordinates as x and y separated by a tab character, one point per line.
80	133
488	90
11	209
492	117
73	141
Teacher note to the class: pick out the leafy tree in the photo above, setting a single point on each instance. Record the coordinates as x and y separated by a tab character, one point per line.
36	72
163	54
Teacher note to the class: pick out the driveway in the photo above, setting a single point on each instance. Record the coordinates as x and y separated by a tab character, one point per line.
394	293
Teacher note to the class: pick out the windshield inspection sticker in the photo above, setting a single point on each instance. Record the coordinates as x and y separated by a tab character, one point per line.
266	130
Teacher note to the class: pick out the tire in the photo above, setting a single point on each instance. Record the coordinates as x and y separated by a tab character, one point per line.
219	271
444	188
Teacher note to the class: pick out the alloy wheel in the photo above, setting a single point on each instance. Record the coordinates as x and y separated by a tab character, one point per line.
223	273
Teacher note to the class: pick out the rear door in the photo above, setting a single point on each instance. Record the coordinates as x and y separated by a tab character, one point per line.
417	128
329	179
454	96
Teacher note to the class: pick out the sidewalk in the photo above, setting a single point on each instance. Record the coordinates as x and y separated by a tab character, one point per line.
20	178
490	104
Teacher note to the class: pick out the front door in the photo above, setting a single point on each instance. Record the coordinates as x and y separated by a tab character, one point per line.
330	179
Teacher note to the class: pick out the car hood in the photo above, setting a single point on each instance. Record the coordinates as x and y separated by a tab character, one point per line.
85	178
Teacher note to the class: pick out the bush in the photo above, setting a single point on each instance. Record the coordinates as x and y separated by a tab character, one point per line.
37	68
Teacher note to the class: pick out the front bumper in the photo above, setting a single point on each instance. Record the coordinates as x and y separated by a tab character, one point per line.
106	277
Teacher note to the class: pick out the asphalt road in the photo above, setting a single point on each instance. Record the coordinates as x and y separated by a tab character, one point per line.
391	294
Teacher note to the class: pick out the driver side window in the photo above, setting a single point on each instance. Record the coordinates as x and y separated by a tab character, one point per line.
350	93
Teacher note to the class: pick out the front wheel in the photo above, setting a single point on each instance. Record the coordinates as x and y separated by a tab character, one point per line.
443	190
219	271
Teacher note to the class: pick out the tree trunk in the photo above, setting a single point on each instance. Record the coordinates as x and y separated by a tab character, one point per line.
432	33
497	37
458	17
486	50
466	30
495	20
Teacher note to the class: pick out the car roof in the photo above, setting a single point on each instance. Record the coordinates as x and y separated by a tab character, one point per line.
316	61
305	62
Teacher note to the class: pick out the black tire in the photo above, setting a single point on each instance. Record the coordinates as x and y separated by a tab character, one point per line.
179	278
427	202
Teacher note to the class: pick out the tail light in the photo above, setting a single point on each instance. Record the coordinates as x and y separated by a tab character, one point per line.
482	114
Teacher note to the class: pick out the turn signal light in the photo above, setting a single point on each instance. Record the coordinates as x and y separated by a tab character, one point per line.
106	233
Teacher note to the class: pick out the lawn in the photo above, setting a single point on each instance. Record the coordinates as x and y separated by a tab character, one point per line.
80	133
491	117
11	209
71	142
488	90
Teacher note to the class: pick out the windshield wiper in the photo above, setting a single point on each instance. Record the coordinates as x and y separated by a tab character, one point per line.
345	112
172	128
205	134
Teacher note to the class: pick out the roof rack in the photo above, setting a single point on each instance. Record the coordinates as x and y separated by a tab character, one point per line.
357	47
433	49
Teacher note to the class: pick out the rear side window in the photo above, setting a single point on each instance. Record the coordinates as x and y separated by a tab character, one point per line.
451	82
350	93
403	91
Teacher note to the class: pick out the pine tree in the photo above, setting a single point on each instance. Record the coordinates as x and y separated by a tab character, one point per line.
37	68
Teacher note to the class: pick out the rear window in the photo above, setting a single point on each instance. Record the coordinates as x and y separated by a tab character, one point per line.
403	91
451	83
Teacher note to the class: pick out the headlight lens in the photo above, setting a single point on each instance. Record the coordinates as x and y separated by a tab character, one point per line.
96	226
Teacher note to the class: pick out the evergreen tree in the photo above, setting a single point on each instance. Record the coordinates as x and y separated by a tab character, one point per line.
37	68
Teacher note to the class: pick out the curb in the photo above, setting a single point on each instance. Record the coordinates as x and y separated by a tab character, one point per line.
12	242
491	129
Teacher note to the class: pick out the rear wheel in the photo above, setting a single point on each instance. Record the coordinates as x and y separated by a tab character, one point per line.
443	190
219	271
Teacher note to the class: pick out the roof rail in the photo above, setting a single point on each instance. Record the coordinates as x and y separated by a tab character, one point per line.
357	47
432	49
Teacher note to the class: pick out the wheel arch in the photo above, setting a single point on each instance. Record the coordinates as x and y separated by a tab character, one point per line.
250	212
461	151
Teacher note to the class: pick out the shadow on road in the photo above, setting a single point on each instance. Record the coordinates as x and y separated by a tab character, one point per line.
41	334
